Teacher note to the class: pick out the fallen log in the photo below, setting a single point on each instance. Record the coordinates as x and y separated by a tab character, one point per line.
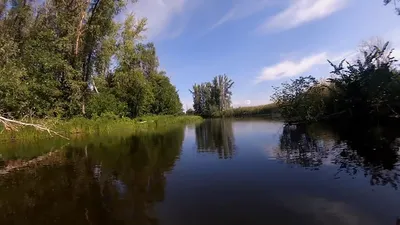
13	125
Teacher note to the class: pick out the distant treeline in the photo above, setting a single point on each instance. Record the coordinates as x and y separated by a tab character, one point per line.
367	89
269	110
262	110
211	99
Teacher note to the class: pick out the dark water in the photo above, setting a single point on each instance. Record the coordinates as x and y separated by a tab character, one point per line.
219	172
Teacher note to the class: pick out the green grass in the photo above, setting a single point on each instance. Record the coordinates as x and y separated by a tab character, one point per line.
262	110
81	127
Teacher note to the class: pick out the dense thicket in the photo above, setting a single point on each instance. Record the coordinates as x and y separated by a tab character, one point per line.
67	58
212	98
366	89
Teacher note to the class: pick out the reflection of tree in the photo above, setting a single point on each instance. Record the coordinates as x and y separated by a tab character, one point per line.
107	183
216	136
370	151
298	147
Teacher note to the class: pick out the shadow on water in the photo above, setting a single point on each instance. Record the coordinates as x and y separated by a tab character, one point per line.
115	182
372	152
216	137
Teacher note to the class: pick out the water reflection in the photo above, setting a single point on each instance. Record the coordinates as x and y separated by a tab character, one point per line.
371	152
216	137
298	147
142	180
116	182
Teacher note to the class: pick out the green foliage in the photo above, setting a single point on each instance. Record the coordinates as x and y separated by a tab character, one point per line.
366	89
166	98
190	112
135	90
212	98
66	59
300	99
368	86
103	103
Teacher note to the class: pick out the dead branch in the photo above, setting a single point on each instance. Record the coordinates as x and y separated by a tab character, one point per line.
15	124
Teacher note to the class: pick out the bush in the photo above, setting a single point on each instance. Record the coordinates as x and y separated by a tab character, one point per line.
105	104
367	89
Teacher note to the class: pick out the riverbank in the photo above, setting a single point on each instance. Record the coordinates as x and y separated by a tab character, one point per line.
78	127
269	110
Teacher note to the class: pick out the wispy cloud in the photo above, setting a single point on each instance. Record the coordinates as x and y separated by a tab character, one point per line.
303	11
243	9
160	14
292	68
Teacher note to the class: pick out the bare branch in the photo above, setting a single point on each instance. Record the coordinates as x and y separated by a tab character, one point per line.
15	124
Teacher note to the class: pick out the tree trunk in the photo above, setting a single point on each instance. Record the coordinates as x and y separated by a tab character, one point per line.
79	31
83	108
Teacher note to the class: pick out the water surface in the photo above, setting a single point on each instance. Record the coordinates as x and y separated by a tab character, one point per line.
218	172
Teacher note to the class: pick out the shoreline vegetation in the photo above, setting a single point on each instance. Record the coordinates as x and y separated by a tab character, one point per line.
82	127
269	110
77	70
72	68
367	90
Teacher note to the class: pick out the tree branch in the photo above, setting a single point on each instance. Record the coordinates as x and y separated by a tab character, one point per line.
14	124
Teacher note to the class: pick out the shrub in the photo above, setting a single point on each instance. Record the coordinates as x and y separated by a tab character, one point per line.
105	104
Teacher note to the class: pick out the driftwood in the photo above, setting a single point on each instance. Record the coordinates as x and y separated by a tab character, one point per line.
13	125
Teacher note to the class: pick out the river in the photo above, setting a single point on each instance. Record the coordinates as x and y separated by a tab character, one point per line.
248	171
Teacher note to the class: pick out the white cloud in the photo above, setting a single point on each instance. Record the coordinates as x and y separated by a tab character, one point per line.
292	68
160	14
243	9
303	11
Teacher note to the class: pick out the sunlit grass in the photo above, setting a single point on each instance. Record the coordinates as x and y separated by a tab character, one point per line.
262	110
81	127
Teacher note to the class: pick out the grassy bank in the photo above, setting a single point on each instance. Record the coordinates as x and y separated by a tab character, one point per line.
81	127
254	111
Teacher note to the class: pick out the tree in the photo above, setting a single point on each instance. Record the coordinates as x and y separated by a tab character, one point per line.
368	85
300	99
104	102
197	103
212	98
386	2
133	88
166	98
69	58
190	112
367	89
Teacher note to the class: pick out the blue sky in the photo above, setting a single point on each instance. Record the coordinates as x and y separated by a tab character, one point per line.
260	43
